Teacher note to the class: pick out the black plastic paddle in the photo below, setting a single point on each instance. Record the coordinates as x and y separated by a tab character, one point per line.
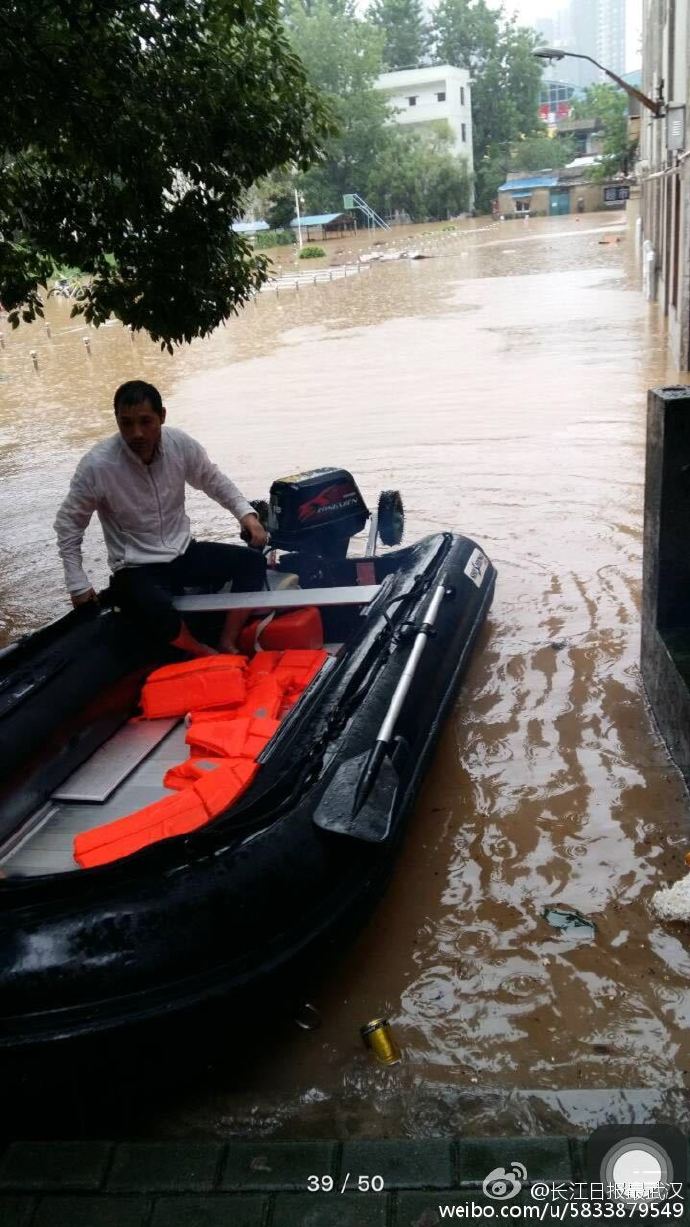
360	797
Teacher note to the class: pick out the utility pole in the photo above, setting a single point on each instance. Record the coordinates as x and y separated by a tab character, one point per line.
299	219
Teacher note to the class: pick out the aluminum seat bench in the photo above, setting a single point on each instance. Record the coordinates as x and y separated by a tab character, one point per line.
286	598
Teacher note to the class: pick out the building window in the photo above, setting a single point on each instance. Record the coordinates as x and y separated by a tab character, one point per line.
554	92
441	96
412	102
463	131
523	206
462	95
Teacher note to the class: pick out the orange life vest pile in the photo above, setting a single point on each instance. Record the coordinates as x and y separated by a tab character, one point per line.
233	707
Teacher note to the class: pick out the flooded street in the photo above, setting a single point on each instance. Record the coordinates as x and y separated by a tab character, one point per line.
501	386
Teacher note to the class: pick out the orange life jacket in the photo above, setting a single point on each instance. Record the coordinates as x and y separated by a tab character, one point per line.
220	767
207	681
297	668
262	665
300	628
264	698
243	737
291	670
192	769
185	811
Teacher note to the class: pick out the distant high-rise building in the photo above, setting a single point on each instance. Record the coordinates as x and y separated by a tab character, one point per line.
560	78
633	35
546	26
555	28
592	27
611	34
583	38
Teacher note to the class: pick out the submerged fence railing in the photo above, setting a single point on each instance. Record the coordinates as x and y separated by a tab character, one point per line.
293	281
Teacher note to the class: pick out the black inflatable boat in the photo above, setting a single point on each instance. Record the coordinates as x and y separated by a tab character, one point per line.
299	860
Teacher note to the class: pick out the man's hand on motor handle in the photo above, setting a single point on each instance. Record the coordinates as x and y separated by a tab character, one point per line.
253	531
83	598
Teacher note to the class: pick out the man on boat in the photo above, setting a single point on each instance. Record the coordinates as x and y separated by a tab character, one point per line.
135	481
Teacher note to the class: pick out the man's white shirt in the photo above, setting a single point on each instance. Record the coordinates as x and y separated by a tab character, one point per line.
141	507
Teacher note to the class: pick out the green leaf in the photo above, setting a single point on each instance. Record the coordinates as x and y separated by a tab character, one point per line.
131	134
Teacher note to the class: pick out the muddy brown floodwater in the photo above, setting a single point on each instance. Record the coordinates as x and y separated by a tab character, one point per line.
501	385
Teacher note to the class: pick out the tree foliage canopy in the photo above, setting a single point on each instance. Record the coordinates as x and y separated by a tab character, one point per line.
466	34
342	56
421	177
406	35
130	132
392	167
497	52
541	152
609	105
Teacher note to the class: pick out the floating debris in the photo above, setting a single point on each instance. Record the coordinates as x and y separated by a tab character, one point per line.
673	903
569	920
377	1036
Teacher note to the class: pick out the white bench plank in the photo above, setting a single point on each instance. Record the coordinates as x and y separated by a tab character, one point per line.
287	598
101	774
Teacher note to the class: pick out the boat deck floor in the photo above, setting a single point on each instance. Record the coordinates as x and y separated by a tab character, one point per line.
47	846
122	776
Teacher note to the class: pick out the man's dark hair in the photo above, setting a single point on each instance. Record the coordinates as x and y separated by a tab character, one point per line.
134	392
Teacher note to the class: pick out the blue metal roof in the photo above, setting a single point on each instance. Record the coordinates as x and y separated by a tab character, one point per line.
249	227
319	219
519	185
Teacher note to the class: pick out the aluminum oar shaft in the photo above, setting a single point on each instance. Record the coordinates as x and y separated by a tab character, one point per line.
379	750
387	729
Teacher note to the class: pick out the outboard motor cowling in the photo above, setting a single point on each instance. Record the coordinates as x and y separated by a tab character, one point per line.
316	512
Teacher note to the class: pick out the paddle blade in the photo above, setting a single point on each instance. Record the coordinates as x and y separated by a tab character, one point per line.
336	809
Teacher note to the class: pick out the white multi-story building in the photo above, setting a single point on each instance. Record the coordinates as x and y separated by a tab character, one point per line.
421	97
664	168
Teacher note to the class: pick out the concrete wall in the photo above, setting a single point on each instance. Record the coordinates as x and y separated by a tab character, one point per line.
591	193
664	173
540	202
665	660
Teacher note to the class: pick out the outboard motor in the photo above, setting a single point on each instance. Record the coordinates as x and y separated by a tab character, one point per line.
316	512
312	517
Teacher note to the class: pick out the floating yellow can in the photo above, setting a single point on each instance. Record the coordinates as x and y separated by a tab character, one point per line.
377	1035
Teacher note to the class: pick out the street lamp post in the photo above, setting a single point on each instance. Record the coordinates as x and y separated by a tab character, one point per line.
657	108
